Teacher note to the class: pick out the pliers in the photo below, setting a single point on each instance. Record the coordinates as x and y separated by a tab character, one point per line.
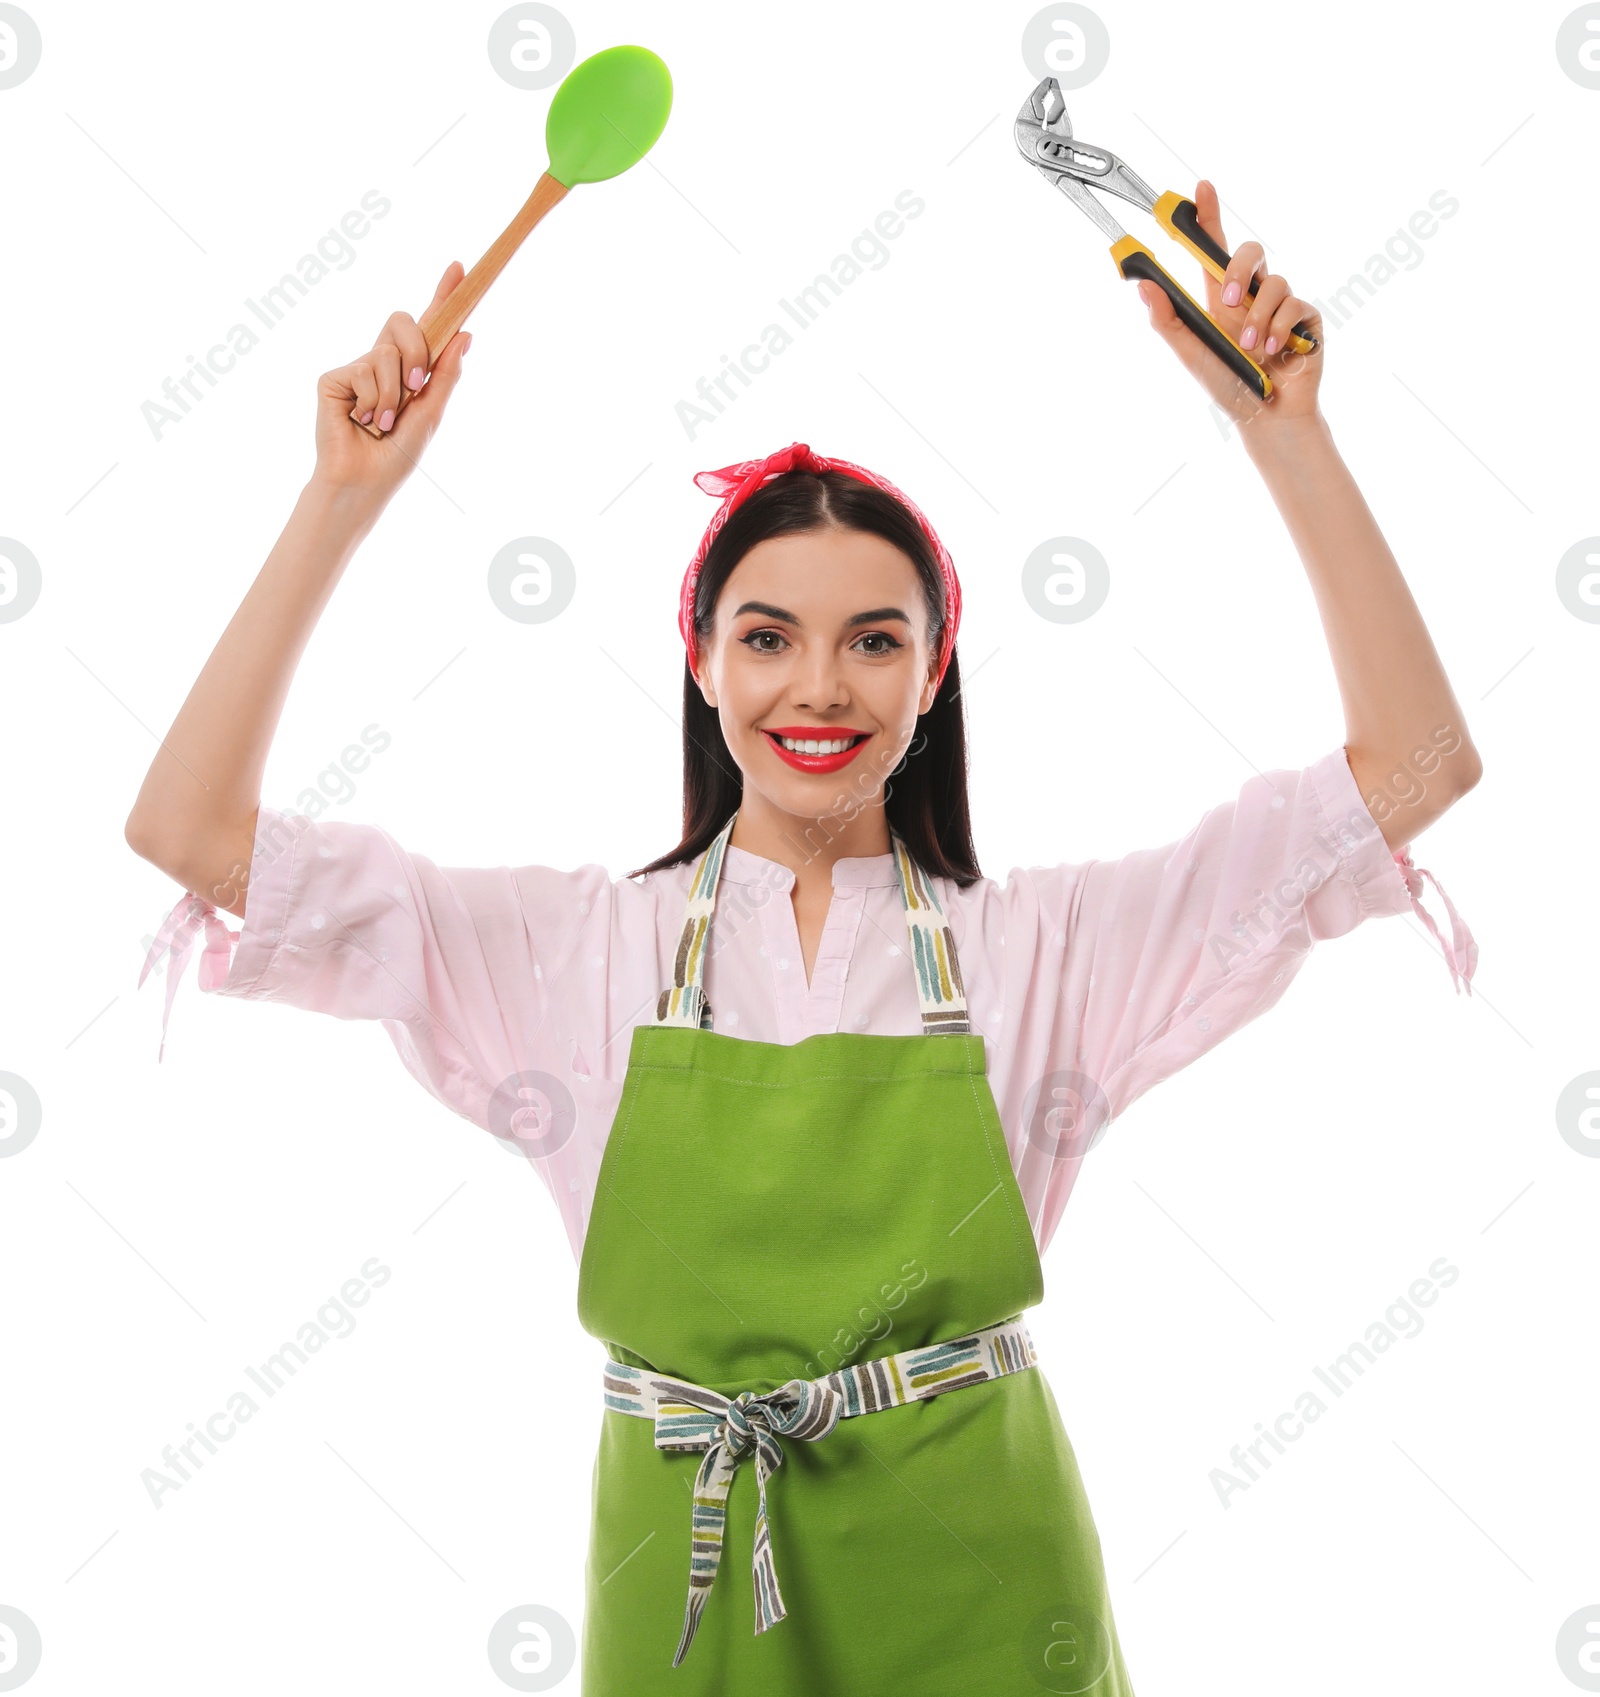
1047	143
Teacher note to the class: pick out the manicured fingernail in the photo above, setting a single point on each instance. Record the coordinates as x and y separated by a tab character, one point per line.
387	421
366	417
1230	295
414	381
1272	344
1247	340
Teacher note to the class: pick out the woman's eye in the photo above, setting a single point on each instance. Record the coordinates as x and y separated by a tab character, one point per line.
769	641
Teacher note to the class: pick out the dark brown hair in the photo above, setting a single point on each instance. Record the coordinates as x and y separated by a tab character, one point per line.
925	797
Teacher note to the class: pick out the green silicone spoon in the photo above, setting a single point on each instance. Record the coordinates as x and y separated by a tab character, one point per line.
605	116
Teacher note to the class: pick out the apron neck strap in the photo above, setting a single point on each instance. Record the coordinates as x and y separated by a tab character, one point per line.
932	947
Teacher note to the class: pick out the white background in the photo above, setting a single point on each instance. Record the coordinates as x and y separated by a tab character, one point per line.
1242	1224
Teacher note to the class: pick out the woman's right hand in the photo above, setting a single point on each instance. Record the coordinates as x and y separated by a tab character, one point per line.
347	457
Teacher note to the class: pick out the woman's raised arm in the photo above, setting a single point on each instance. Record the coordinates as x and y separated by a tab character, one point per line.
1405	737
195	814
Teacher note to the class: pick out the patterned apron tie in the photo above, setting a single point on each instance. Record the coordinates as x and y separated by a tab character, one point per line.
690	1417
933	950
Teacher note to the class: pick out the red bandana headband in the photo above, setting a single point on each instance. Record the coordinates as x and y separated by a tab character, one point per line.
736	483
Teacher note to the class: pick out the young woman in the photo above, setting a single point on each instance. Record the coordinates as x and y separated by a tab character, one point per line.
808	1194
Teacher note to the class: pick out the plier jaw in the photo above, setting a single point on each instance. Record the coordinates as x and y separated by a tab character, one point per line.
1044	137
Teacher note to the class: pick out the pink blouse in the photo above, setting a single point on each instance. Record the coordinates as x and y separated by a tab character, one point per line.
511	993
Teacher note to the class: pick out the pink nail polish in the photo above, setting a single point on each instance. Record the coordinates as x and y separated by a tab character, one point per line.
1230	295
366	417
1247	340
414	381
387	421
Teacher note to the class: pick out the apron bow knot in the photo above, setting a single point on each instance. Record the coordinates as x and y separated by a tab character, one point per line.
690	1417
728	1429
776	1414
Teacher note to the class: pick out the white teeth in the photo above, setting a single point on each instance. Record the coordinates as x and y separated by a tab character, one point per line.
814	745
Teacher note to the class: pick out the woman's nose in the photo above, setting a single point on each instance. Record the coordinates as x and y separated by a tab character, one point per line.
819	683
821	696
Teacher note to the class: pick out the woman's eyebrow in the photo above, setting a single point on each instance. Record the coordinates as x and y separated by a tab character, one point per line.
767	608
874	617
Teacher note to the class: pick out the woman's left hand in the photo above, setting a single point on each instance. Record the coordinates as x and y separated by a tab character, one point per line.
1270	316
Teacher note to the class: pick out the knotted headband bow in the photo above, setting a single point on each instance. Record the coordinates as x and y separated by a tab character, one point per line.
736	483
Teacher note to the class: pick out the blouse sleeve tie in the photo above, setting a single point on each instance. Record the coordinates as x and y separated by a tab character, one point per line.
176	939
1461	952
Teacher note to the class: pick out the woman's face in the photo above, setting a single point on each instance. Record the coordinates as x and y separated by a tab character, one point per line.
819	637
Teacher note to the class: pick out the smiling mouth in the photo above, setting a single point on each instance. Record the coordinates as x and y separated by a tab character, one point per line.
818	745
819	753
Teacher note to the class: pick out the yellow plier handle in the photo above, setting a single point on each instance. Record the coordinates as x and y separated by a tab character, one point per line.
1134	259
1180	218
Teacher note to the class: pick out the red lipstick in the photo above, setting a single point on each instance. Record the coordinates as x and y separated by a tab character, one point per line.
818	733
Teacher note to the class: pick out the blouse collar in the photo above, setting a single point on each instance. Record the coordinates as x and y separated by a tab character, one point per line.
851	872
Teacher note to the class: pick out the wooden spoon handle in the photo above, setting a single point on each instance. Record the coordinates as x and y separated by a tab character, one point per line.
439	323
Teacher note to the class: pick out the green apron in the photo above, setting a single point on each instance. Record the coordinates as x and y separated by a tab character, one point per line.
767	1212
